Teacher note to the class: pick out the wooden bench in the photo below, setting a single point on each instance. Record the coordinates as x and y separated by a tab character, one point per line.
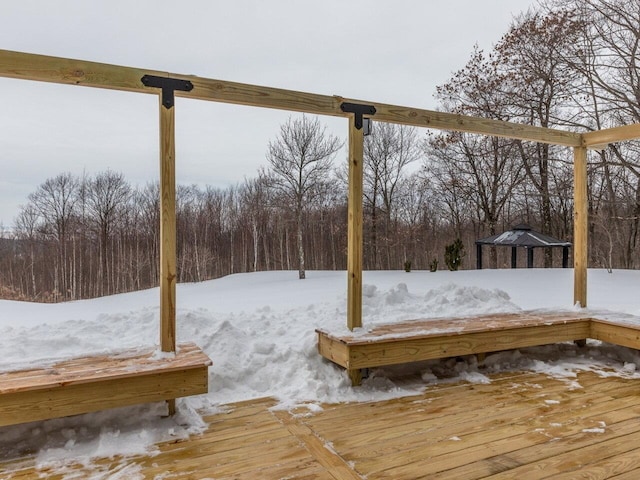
419	340
88	384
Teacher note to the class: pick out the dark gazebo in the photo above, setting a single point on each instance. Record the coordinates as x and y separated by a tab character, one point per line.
522	236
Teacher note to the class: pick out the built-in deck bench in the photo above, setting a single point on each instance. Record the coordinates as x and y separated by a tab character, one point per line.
88	384
419	340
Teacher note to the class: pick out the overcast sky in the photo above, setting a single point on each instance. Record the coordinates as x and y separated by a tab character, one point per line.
392	51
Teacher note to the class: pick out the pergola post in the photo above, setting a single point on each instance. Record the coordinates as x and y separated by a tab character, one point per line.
167	204
168	235
168	272
354	221
167	229
354	227
580	226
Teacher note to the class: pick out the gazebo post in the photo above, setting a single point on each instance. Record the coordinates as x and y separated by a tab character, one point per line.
580	226
565	257
514	257
530	257
479	256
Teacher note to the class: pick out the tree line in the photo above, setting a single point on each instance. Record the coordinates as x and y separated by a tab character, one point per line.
569	64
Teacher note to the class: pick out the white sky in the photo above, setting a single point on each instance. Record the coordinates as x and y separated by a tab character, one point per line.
393	51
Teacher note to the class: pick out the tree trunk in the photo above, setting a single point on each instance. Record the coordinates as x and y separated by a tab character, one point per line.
301	271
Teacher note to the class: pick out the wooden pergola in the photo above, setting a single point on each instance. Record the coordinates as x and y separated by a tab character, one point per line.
26	66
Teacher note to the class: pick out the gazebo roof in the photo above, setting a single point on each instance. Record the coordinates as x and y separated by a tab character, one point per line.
522	236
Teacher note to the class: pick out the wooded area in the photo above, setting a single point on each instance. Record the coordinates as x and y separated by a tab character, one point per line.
570	65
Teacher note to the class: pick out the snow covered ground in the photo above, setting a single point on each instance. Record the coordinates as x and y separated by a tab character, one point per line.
259	328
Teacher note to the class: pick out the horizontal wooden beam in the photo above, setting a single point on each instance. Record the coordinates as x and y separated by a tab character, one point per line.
28	66
601	138
42	68
484	126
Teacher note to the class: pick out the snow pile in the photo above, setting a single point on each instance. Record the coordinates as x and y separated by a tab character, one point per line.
442	301
259	331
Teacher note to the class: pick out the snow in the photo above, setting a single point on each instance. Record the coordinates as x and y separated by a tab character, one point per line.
259	330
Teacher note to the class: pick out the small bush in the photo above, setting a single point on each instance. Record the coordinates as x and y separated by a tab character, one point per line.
433	266
407	266
453	255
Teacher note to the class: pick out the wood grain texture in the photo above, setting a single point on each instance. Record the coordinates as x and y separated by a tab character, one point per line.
518	425
452	326
414	350
601	138
92	74
84	397
419	340
332	349
615	333
580	226
87	369
168	261
88	384
354	226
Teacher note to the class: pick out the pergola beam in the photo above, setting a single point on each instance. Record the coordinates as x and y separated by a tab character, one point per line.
601	138
44	68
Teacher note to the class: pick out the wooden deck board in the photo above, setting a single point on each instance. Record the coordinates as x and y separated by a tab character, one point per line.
478	429
125	364
521	425
427	328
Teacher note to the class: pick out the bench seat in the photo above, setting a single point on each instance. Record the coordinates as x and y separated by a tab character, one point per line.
92	383
426	339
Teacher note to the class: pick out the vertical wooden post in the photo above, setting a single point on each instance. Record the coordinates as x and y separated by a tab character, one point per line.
580	226
354	226
167	229
167	209
167	235
354	235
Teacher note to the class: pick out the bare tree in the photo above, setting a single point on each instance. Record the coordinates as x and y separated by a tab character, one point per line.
477	169
26	228
537	84
300	162
256	202
55	201
387	153
108	195
607	61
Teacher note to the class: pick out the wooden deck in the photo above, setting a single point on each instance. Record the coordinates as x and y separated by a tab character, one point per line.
521	425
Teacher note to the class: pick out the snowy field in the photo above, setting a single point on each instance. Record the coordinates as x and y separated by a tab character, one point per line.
258	329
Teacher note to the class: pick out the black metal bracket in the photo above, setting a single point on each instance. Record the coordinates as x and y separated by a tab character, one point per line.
168	86
359	111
